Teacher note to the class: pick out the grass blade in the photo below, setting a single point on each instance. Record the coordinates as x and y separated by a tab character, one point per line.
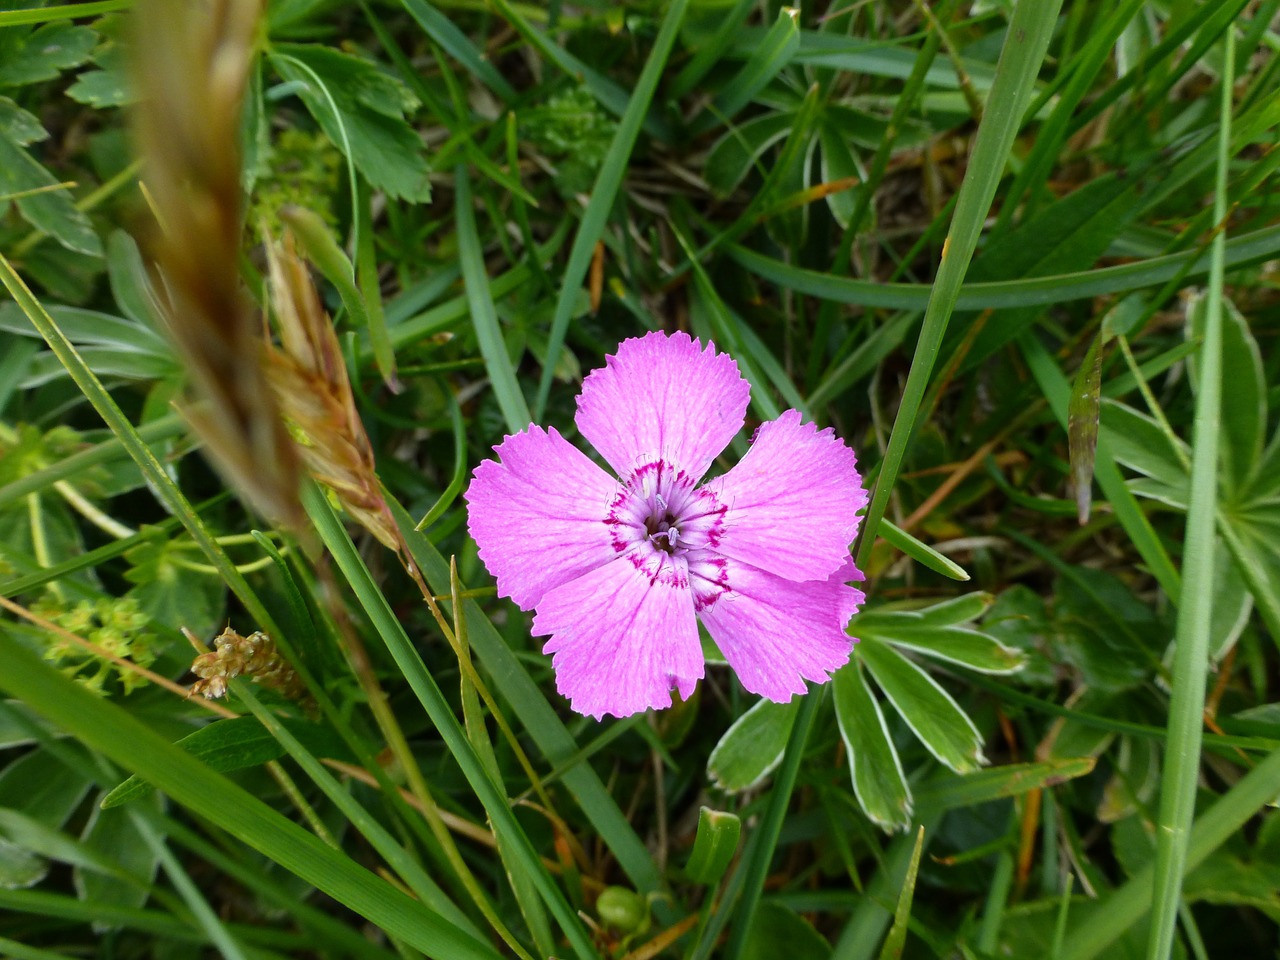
604	192
1195	609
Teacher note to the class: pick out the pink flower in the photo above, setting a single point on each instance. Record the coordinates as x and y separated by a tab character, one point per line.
620	571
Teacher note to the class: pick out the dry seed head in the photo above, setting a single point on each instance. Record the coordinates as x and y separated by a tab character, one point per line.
310	380
191	63
254	656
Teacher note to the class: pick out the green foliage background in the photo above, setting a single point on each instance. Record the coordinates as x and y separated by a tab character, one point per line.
1021	257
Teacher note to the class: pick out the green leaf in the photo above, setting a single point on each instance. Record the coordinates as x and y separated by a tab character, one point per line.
369	124
738	151
1069	235
714	846
130	285
933	716
51	209
1140	443
19	867
752	746
1244	403
774	52
962	609
171	593
918	550
878	779
115	836
896	941
90	327
963	646
950	791
777	932
43	53
104	726
233	744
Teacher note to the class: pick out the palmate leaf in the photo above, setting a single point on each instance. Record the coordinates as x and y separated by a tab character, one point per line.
51	209
369	121
41	54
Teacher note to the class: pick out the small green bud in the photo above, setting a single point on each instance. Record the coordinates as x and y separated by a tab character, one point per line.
623	910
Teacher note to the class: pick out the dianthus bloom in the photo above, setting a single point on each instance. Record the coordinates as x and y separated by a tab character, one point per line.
620	571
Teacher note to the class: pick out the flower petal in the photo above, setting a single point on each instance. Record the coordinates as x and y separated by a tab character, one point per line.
663	398
623	635
539	515
792	501
778	633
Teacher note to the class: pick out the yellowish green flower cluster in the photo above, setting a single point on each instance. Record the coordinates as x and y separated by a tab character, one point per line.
117	627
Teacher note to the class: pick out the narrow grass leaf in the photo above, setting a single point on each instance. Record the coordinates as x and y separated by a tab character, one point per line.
1034	291
424	686
774	52
497	361
879	782
920	551
1195	609
897	939
605	191
950	791
110	730
513	682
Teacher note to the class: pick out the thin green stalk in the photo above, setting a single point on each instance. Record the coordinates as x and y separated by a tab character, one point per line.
1219	824
1191	646
1020	60
755	867
440	713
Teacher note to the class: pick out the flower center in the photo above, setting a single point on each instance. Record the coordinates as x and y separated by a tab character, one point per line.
659	510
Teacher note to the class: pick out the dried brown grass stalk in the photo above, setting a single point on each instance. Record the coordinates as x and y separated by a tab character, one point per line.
310	381
192	63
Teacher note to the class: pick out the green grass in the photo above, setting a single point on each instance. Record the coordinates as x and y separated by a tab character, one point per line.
915	229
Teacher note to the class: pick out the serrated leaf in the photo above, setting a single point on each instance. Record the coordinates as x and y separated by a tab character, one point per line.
370	120
752	746
714	845
22	127
879	782
230	745
169	592
51	210
933	716
45	52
